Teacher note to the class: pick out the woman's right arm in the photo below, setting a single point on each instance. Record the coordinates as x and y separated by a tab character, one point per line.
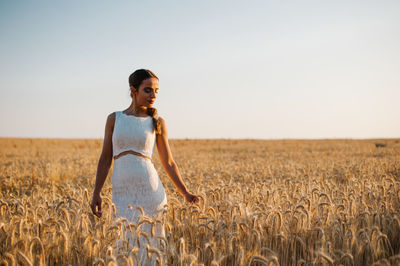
104	165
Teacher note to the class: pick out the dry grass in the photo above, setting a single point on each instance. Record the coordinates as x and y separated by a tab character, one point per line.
286	202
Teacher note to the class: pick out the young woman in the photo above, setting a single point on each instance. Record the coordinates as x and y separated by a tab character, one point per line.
130	137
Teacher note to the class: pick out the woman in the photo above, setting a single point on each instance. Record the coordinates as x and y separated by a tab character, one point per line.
130	137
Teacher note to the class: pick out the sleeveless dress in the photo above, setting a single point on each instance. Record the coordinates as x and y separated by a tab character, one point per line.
135	182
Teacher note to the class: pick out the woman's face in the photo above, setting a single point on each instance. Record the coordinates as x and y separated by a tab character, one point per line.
146	93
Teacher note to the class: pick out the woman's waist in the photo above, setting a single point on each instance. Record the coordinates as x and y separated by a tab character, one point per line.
140	153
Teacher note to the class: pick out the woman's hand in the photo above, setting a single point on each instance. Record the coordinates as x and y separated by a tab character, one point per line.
191	198
96	202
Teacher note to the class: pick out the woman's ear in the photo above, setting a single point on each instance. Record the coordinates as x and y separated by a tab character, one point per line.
133	90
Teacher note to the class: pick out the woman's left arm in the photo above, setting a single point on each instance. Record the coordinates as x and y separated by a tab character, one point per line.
169	164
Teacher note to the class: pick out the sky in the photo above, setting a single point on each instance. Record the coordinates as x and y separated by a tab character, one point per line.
227	69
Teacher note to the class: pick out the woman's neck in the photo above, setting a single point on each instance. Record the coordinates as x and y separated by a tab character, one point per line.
137	110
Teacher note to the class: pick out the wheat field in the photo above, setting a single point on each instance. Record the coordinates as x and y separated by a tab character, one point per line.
262	202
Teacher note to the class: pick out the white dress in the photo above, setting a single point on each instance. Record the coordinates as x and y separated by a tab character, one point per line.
135	182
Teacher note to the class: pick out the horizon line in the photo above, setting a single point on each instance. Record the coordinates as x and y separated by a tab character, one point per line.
345	138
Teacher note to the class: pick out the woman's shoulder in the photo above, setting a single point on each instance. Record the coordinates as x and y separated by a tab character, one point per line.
161	121
112	115
111	120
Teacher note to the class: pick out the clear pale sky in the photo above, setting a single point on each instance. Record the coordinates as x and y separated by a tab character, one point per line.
227	69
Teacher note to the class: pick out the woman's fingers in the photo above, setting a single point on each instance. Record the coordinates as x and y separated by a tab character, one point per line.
192	198
99	209
196	199
96	202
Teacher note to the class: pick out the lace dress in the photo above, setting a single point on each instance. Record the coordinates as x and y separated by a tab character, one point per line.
135	182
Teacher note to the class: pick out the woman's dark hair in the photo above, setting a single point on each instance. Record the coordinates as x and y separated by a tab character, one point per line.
135	79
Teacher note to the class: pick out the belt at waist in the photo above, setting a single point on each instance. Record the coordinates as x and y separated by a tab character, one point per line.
131	152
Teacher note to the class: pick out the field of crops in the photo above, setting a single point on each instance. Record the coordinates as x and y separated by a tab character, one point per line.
280	202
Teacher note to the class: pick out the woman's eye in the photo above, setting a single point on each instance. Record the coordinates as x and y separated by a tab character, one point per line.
149	91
